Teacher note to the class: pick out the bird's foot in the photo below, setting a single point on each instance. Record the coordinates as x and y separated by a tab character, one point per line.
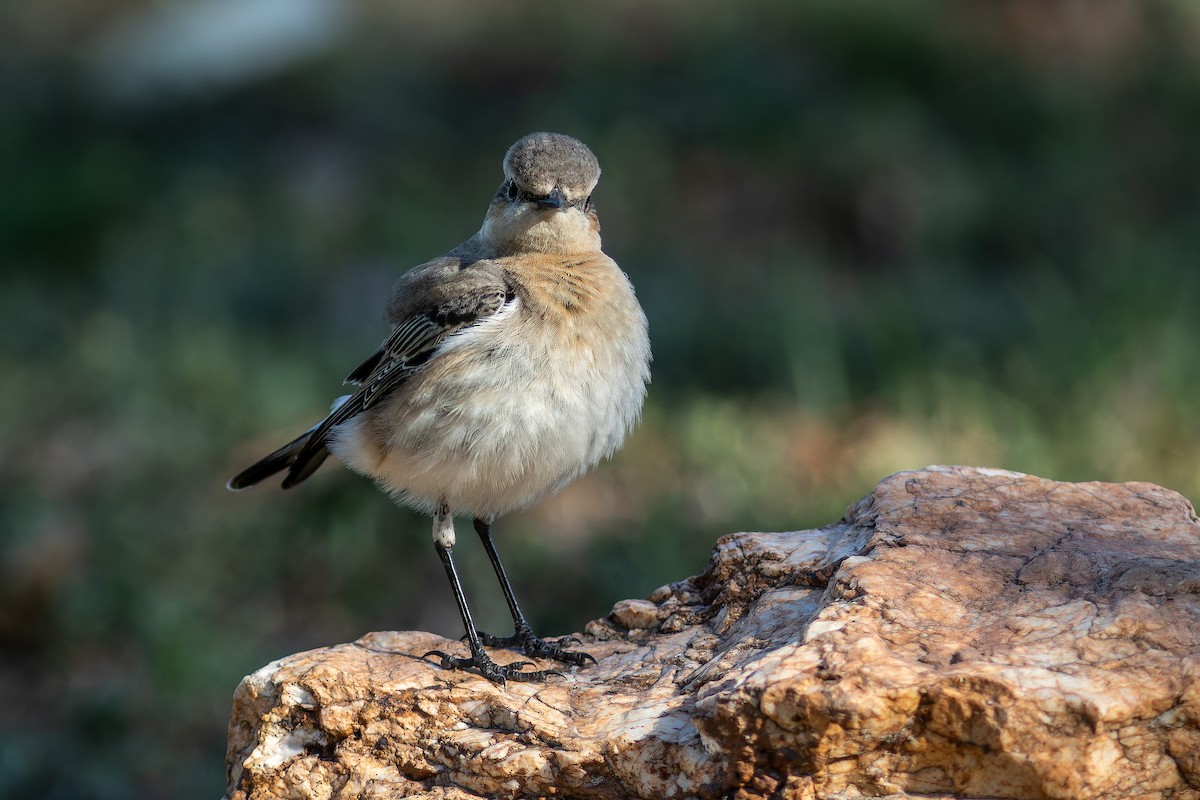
496	673
536	647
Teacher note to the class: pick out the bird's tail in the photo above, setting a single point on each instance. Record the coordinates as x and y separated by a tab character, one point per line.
300	457
287	457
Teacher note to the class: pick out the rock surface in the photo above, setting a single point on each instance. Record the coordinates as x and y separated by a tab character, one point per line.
960	633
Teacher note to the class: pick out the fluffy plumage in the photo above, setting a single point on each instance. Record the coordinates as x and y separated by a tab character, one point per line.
515	363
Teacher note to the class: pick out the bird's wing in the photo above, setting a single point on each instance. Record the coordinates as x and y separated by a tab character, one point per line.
429	304
405	343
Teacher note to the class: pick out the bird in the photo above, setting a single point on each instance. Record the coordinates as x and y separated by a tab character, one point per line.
515	363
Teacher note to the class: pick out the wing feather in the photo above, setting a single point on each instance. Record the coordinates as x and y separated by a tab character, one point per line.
429	303
412	343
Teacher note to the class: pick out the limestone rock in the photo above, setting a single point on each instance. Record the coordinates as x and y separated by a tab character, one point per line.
960	633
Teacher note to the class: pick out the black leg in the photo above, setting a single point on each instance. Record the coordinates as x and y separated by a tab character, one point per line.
444	543
524	638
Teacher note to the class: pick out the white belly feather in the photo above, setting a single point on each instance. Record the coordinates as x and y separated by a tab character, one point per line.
508	410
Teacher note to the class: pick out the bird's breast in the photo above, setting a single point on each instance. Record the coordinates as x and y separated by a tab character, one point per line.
518	404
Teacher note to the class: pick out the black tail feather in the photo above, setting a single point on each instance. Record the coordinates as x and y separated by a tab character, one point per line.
285	457
304	465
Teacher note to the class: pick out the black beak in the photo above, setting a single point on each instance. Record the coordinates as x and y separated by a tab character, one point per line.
556	199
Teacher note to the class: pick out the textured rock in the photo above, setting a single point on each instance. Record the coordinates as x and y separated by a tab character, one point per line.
960	633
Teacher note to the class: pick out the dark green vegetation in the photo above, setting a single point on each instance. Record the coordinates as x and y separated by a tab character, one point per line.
868	237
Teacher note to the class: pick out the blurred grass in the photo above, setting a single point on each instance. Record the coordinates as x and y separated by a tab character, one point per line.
869	237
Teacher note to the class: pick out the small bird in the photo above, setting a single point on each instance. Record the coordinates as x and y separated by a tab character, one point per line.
515	363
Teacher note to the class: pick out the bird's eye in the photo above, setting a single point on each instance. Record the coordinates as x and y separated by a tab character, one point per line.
511	191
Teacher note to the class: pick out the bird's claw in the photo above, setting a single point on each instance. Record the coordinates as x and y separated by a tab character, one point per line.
496	673
531	645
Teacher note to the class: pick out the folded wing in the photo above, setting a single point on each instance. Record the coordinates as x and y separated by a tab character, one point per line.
429	304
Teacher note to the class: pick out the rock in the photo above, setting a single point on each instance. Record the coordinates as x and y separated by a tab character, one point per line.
960	633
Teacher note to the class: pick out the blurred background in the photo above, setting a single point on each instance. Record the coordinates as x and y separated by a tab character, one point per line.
869	237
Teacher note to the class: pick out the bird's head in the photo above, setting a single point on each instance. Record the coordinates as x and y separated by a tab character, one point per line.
545	201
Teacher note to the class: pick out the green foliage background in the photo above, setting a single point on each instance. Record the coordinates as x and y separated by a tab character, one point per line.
869	237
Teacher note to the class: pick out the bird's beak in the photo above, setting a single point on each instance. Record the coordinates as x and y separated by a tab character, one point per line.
556	199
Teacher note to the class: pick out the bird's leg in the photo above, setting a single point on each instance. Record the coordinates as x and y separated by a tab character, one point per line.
443	542
524	638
